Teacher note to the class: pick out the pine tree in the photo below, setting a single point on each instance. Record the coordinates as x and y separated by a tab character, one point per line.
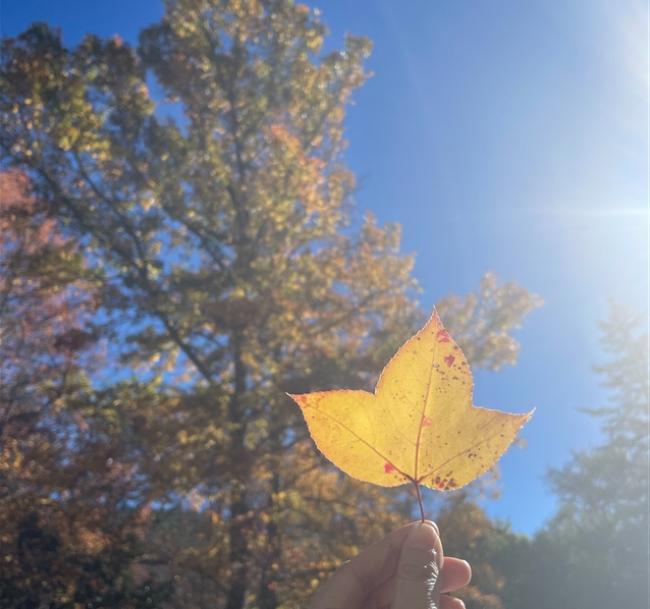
594	552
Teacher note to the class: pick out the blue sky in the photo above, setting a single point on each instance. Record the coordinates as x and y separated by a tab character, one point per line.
506	136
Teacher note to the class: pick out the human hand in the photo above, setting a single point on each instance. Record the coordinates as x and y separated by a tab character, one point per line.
405	570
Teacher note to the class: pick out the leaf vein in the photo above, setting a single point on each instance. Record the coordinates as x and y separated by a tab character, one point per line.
464	450
358	437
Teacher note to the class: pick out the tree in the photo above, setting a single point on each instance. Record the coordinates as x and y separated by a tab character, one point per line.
230	268
594	552
44	306
504	564
64	539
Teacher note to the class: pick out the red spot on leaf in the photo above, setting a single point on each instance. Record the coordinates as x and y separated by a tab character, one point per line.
389	468
426	421
449	360
443	336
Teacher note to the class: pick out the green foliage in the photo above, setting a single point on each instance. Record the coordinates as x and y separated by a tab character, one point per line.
468	532
603	525
594	552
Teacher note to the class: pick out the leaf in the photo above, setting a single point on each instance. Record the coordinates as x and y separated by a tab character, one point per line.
419	426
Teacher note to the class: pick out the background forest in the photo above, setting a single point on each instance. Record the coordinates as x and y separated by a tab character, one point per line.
179	247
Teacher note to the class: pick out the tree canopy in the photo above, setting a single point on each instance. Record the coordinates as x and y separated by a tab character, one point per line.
180	248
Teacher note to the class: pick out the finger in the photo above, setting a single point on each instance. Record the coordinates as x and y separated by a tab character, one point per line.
417	581
343	590
451	602
446	602
378	562
455	574
350	585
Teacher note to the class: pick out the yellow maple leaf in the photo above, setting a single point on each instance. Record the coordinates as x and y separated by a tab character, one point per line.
419	426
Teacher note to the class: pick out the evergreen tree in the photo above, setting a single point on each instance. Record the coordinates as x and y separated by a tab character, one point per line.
595	550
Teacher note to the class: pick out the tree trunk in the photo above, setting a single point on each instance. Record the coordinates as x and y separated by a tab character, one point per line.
239	552
239	512
267	597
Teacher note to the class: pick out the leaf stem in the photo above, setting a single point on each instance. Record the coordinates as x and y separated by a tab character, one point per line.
419	495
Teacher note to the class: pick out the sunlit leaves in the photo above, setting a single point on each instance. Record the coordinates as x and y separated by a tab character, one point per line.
202	176
419	426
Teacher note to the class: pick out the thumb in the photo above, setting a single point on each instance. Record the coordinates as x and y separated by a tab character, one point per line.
418	569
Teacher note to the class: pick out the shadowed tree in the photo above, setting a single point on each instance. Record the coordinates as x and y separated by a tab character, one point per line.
497	555
594	552
602	526
66	537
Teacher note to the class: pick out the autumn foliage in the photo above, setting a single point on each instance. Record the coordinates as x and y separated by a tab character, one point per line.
418	426
174	259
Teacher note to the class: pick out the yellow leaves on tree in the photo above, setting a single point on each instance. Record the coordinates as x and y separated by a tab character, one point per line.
419	426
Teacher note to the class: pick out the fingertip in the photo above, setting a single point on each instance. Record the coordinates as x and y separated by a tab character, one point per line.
427	524
456	573
469	570
434	525
422	535
451	602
